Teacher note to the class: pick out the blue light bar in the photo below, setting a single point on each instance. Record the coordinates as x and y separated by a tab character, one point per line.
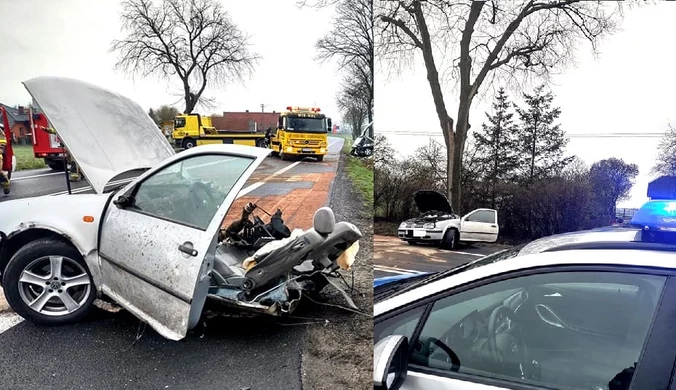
662	188
656	215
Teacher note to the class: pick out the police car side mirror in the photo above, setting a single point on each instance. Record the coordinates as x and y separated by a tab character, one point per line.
390	359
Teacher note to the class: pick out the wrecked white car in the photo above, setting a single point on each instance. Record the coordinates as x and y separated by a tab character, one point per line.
154	245
438	223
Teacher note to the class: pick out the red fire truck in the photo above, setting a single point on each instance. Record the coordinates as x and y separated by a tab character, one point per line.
46	146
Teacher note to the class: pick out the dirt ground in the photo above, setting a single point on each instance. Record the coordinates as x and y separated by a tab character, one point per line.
3	302
338	353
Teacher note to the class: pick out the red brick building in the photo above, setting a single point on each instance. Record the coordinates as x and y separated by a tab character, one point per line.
245	121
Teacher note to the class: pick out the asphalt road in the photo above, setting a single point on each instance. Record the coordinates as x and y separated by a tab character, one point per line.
392	256
104	353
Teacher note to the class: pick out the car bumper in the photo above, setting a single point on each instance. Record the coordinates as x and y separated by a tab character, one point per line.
301	150
417	234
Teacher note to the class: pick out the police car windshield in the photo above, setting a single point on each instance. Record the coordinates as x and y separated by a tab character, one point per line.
306	125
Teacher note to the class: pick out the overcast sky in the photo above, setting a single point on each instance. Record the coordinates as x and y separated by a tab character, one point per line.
71	38
630	88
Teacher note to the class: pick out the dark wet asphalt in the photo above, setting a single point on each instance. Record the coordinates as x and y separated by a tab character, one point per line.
395	257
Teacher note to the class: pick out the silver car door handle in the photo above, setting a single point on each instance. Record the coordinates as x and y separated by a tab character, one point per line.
188	249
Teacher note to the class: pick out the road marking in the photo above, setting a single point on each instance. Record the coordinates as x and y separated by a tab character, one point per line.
9	319
376	268
260	183
402	271
467	253
34	176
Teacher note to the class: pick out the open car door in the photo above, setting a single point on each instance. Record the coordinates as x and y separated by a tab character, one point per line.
479	225
159	235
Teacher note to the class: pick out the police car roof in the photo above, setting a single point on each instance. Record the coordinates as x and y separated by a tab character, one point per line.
600	238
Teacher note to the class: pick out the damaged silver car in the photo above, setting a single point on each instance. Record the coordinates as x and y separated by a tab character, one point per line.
151	236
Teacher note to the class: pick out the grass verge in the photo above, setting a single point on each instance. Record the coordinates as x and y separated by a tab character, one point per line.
360	172
25	158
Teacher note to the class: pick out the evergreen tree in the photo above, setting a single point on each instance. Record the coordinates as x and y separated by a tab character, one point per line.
541	142
495	144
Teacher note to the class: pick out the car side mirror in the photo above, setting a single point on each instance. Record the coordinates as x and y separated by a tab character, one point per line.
123	201
390	359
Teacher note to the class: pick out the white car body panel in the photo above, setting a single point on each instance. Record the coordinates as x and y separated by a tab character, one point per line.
478	231
627	257
61	214
148	275
419	380
106	133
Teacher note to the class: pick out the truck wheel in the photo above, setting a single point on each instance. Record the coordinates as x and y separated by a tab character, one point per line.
283	156
47	282
450	240
320	158
188	143
261	144
56	165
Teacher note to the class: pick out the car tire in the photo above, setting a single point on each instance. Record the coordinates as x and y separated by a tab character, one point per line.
72	282
450	240
412	242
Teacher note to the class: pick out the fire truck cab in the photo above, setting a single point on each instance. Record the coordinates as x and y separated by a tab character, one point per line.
301	132
45	145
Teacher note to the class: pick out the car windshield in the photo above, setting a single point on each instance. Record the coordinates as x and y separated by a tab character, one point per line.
306	125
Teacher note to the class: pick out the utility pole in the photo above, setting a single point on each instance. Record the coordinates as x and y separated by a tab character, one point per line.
263	105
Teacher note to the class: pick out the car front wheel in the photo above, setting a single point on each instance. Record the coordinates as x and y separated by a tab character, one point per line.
450	240
47	282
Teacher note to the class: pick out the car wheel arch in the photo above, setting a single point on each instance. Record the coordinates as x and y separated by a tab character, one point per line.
19	238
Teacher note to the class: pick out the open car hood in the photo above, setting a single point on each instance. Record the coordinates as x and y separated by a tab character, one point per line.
427	200
106	133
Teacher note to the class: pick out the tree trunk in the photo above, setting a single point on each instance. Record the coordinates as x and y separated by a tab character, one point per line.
458	151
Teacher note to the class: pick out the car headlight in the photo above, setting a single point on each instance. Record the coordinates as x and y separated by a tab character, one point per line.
428	226
403	225
289	149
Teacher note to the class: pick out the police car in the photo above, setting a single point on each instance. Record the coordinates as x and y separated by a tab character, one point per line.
585	310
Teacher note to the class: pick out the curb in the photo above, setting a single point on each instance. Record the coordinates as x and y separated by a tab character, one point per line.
341	160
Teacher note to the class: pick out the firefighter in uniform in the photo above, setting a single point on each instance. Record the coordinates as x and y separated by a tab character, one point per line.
4	180
71	165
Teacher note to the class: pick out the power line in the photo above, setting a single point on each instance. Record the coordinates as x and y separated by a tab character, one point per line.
569	135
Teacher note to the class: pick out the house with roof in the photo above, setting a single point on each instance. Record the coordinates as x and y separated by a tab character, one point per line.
248	122
19	124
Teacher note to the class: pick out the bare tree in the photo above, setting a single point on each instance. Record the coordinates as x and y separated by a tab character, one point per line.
194	40
488	40
351	43
352	102
666	159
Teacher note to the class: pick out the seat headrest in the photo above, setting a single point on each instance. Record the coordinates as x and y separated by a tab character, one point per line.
324	221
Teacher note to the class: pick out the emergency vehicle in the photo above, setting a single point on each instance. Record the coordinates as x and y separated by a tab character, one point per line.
301	132
45	145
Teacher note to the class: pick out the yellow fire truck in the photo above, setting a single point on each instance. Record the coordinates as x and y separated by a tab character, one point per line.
191	130
301	132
